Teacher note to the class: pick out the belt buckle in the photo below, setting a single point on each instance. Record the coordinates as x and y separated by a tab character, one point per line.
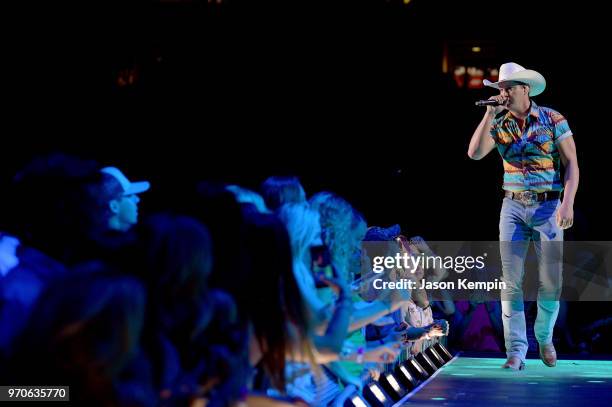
529	198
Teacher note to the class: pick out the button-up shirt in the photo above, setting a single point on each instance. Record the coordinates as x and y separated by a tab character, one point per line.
531	156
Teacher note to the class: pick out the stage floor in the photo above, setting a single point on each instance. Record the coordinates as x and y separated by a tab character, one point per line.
481	381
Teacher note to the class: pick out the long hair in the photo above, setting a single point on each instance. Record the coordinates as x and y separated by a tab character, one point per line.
273	304
185	314
278	191
338	224
302	224
178	262
253	263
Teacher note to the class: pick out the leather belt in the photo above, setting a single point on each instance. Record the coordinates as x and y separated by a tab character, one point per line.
531	198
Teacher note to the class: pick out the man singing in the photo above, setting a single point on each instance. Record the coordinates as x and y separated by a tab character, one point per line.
532	141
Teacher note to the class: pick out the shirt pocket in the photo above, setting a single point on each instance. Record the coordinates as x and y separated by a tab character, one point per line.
543	141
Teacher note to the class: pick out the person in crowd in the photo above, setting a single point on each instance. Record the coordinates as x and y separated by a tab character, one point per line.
124	198
278	191
196	347
84	331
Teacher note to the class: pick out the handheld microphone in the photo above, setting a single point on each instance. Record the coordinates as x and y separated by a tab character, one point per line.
488	102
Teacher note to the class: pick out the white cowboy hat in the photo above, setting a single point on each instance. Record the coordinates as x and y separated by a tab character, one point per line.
514	72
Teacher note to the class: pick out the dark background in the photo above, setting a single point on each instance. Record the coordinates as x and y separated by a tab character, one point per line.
348	95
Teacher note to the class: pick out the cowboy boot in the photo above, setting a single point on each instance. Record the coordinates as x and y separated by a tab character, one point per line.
514	363
548	355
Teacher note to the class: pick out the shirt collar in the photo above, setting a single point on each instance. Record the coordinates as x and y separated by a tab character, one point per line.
534	111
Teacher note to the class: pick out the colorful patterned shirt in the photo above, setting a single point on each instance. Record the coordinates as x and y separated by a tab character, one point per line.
531	158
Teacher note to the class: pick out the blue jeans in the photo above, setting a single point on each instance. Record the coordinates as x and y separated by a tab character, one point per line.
520	224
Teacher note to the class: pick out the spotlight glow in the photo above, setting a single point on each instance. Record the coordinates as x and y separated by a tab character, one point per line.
379	395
